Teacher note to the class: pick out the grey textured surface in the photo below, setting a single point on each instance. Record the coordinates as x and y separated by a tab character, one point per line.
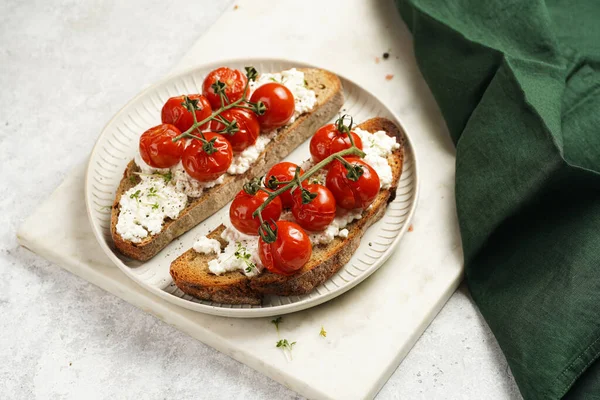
65	68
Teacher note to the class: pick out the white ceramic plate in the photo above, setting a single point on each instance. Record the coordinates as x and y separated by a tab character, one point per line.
118	144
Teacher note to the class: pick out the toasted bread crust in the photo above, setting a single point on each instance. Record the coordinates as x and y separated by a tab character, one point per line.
330	98
190	271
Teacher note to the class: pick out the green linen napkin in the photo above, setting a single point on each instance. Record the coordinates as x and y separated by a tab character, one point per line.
518	82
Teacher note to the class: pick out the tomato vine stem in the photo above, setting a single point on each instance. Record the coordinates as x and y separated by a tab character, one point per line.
242	102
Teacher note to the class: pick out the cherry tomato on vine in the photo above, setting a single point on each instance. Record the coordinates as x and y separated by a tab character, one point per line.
157	147
314	208
283	172
247	125
234	80
328	140
279	103
350	194
201	165
244	204
173	112
290	251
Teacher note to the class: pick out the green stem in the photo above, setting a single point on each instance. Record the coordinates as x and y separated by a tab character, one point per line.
197	125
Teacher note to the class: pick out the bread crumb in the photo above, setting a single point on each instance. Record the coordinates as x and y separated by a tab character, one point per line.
389	77
377	60
410	228
236	7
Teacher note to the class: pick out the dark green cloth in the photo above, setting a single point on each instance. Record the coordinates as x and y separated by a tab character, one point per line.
518	82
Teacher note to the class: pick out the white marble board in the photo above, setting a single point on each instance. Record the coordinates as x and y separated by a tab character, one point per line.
371	328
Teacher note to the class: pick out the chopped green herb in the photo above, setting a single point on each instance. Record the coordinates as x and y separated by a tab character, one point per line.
273	79
242	253
135	195
167	176
132	179
276	322
155	206
152	192
323	332
285	344
305	84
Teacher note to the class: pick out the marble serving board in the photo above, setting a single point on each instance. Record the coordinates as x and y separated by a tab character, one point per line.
369	329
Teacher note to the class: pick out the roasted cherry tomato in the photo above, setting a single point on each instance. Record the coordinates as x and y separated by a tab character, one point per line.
279	102
290	251
283	172
328	140
157	147
247	125
314	207
173	112
244	204
201	165
351	194
234	80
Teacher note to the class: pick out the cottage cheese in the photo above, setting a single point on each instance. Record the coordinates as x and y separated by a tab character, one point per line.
205	245
336	228
243	161
377	147
304	98
240	254
145	206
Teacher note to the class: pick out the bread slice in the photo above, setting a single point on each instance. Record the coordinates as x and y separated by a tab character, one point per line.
330	98
191	274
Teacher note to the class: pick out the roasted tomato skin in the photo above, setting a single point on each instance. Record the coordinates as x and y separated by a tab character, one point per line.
279	103
234	80
283	172
207	167
244	205
174	113
328	140
157	148
248	128
351	194
290	251
317	214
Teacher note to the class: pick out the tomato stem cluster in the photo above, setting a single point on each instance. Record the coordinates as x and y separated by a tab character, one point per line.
231	127
266	230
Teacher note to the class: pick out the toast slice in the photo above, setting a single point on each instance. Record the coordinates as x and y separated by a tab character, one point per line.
330	98
191	274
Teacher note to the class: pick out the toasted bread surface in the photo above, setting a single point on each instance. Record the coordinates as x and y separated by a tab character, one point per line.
191	274
329	93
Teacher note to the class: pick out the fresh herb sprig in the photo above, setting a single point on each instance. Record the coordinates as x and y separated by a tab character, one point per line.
285	345
241	253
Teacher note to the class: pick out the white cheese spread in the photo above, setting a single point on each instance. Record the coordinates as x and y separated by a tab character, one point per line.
336	228
243	161
304	98
240	254
205	245
145	206
377	147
